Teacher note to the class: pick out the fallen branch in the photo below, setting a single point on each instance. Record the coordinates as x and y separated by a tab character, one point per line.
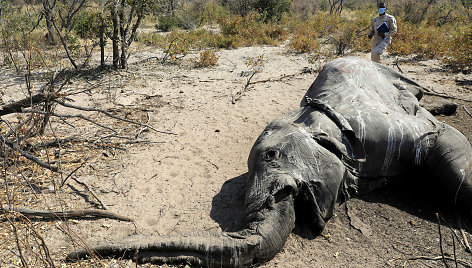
17	106
467	111
62	116
28	156
81	213
466	264
91	192
274	79
398	66
440	241
240	93
464	237
445	96
88	109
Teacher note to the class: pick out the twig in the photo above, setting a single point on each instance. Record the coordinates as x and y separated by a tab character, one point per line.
143	128
271	79
81	213
464	237
57	142
467	111
445	96
17	240
43	245
62	116
440	241
240	93
454	248
91	192
398	66
110	115
28	156
466	264
274	79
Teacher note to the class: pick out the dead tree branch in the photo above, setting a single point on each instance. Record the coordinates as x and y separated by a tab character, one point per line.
28	156
240	93
440	241
91	192
445	96
17	106
88	109
467	111
68	214
466	264
464	237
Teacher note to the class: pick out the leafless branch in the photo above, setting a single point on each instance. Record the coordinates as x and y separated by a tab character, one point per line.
81	213
111	115
440	241
28	156
91	192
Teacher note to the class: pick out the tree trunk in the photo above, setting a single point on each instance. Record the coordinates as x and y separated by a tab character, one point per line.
48	10
102	42
124	44
115	38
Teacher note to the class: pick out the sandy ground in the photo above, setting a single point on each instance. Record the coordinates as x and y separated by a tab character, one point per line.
191	178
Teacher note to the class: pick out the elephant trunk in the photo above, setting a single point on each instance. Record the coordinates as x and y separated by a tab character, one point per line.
258	243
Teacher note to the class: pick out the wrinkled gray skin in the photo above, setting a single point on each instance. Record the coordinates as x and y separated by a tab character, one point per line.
359	127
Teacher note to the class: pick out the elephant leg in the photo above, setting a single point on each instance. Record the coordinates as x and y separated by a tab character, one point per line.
450	164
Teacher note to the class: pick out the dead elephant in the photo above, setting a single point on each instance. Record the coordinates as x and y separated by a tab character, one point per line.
359	126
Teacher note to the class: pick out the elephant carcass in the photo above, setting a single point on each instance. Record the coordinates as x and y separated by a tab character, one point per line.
359	126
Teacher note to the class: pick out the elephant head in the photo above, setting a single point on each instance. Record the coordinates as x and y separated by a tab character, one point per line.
289	173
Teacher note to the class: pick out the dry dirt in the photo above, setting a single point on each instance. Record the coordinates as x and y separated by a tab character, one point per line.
192	177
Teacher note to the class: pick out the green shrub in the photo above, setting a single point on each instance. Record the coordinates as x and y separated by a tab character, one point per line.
152	39
167	23
427	41
249	30
459	54
208	12
88	24
207	58
302	43
272	10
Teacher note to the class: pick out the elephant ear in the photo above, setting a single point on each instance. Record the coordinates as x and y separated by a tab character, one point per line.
350	158
351	148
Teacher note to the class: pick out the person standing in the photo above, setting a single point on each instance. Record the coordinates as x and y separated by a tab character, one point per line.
382	28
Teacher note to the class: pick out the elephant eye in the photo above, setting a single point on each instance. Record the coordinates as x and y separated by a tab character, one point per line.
271	155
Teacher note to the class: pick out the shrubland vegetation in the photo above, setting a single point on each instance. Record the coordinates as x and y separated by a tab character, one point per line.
75	28
52	40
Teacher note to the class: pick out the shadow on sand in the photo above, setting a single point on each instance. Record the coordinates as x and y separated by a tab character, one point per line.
412	194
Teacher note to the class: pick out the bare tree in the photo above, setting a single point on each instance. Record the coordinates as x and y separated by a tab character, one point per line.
48	14
126	17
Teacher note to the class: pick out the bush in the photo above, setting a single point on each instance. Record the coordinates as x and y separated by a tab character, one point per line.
427	41
272	10
459	56
302	43
168	23
207	58
88	24
249	30
208	12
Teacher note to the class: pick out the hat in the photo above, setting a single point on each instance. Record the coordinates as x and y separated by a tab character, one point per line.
381	5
